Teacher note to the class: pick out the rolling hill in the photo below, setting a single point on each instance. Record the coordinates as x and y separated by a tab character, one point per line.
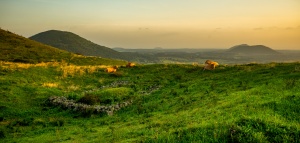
73	43
15	48
252	50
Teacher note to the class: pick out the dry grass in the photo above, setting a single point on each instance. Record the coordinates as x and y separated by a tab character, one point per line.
73	70
49	84
19	66
64	67
73	87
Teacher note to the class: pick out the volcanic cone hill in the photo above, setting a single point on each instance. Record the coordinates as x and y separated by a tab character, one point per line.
73	43
15	48
252	50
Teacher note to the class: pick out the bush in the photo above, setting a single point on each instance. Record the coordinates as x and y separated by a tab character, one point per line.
111	95
89	99
25	122
117	74
2	133
57	122
39	122
72	96
245	130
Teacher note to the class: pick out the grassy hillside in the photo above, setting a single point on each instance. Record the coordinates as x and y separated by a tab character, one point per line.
15	48
73	43
171	103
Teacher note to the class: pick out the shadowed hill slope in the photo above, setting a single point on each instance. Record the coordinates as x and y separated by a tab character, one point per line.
73	43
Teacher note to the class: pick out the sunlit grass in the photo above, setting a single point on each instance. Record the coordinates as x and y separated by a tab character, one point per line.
63	67
73	70
47	84
234	103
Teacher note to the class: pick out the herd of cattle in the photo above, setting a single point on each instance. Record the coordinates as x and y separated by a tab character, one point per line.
209	65
114	68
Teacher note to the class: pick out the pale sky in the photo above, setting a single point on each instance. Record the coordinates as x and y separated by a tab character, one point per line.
160	23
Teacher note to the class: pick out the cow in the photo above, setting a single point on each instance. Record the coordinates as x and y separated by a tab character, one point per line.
210	65
129	65
111	69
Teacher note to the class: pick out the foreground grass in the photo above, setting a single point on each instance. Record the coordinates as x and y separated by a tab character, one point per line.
172	103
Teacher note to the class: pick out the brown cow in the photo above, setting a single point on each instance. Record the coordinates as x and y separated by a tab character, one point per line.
111	69
210	65
129	65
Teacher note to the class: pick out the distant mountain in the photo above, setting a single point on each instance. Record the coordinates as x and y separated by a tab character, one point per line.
73	43
252	50
15	48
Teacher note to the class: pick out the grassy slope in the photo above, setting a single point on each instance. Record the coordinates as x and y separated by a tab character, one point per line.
19	49
245	103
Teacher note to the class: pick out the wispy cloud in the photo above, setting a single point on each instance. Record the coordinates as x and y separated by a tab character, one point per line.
167	34
143	28
289	28
258	28
276	28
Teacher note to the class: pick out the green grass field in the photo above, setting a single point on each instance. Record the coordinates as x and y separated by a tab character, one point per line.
171	103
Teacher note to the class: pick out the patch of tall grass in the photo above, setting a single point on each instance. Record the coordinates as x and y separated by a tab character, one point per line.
65	68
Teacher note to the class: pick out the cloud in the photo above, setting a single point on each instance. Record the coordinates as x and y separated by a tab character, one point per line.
258	28
142	28
289	28
168	34
276	28
218	29
273	28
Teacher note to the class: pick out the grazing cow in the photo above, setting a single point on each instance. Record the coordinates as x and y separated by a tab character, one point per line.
111	69
129	65
210	65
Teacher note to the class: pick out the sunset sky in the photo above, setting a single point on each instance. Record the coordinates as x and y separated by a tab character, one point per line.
160	23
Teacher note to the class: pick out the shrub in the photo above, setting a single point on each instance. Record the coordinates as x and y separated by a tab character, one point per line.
26	121
39	122
2	133
290	83
245	129
57	122
111	95
89	99
72	96
117	74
